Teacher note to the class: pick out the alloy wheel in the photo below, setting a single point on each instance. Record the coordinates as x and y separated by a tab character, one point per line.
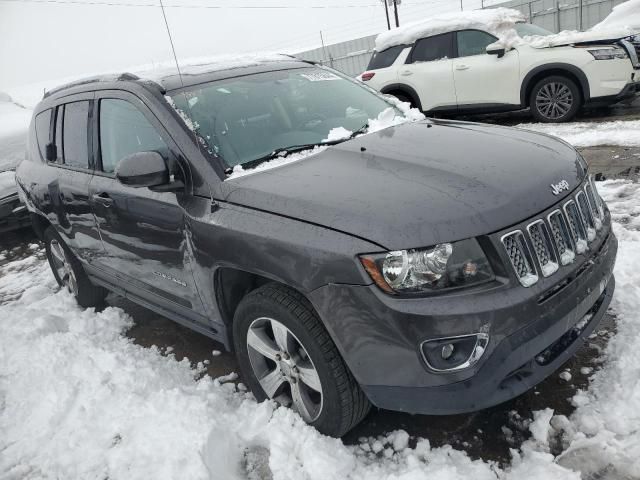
554	100
63	267
282	366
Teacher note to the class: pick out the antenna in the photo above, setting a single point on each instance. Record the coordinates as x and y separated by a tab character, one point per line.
173	49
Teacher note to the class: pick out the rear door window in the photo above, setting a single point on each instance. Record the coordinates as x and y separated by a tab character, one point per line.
43	125
74	137
473	42
125	130
429	49
385	58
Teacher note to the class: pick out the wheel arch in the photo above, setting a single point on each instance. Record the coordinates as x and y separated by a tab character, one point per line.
232	285
404	90
563	69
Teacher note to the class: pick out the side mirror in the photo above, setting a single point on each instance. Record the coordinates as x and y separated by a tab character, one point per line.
143	169
496	50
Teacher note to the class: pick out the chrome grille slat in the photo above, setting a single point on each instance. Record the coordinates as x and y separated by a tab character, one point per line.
561	237
520	257
576	226
585	214
542	247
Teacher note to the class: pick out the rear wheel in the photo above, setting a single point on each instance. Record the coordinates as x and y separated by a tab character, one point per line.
286	354
69	273
555	99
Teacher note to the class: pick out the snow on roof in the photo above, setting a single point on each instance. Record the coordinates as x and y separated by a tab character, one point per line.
499	21
625	15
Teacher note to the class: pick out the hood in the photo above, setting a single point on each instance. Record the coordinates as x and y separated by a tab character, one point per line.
604	36
418	184
8	184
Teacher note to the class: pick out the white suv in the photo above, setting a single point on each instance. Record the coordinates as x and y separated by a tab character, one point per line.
480	68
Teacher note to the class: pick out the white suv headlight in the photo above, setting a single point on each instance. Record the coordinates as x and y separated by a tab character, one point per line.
608	53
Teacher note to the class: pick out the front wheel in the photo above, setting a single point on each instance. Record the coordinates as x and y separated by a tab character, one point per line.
555	99
69	273
286	354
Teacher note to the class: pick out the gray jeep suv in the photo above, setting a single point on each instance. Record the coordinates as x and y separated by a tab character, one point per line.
430	267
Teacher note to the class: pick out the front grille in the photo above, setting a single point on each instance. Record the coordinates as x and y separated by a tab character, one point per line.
556	240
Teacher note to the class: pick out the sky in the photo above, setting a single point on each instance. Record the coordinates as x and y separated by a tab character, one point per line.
41	40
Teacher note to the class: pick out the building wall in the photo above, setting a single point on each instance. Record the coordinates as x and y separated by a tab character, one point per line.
352	57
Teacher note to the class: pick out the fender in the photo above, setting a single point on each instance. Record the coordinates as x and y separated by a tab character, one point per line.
577	72
405	89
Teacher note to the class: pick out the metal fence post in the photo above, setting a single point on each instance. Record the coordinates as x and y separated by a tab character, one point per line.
580	14
558	15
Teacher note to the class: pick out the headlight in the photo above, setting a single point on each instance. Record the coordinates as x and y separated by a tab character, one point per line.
446	265
608	53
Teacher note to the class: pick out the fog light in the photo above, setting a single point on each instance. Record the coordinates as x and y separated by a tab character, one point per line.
454	353
447	351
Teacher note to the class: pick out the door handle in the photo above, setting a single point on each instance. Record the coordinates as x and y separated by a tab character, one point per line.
103	199
462	67
406	72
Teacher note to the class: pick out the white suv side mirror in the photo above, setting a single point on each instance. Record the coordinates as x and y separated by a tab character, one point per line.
496	50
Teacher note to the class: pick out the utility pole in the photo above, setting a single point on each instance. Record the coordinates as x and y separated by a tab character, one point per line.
461	6
580	14
324	49
386	11
395	11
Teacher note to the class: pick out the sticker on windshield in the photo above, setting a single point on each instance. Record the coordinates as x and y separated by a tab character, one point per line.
320	76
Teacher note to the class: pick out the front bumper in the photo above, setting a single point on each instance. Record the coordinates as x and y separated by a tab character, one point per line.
379	336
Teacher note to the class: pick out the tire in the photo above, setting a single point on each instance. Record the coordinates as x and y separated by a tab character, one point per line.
69	273
275	308
544	97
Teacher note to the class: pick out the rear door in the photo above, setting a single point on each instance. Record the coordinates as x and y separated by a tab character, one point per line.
144	232
482	79
68	192
429	71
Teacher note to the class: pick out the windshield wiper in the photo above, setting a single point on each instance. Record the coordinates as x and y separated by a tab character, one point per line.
282	152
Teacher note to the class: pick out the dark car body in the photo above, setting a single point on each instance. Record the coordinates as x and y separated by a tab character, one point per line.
194	253
13	213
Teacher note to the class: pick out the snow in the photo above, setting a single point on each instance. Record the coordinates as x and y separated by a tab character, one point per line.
568	37
540	427
338	133
549	268
238	171
626	15
567	257
625	133
529	279
7	180
565	375
498	21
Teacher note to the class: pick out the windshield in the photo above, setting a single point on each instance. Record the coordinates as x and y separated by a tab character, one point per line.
528	29
246	118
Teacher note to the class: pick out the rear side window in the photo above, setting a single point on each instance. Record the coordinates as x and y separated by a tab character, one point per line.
473	42
125	130
43	124
385	58
433	48
74	136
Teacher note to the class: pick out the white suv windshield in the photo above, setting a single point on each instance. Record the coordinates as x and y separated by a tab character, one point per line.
528	29
246	118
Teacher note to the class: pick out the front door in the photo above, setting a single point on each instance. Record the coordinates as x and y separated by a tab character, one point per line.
144	232
482	79
429	71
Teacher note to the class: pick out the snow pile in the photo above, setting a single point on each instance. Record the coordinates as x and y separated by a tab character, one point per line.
589	134
498	21
626	15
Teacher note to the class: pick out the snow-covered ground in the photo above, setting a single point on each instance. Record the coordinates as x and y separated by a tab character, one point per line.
625	133
78	399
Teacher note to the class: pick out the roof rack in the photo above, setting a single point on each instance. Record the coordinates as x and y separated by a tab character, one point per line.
121	77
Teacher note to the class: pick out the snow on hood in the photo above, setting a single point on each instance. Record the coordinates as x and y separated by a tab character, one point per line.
626	15
498	21
568	37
